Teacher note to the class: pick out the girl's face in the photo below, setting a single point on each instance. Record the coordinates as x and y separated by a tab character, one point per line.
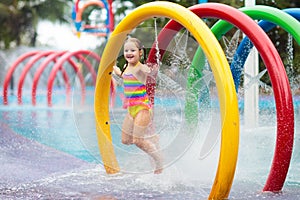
132	53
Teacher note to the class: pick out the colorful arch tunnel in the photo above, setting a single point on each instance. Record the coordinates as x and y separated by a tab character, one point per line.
220	11
97	29
282	92
278	19
284	141
220	66
46	59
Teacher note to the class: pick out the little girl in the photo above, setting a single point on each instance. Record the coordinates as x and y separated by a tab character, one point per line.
135	129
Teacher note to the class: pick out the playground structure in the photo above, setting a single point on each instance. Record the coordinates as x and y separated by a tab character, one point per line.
207	39
209	47
102	29
59	58
56	60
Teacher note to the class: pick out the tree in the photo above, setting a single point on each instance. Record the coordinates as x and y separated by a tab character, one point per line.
19	18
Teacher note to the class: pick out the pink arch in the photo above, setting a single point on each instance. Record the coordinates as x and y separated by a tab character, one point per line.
64	73
76	5
39	72
81	79
11	71
89	66
111	16
60	62
277	73
25	70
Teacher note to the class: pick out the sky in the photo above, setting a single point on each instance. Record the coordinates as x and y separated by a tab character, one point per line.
63	37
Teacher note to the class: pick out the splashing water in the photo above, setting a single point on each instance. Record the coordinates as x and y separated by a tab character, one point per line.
256	80
293	77
180	59
231	46
157	54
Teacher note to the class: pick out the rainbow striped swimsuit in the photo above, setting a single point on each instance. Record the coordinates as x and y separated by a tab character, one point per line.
135	94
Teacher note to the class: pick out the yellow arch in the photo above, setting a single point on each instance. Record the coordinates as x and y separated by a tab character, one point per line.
221	71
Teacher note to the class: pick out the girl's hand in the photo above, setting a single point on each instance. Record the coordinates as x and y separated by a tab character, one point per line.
153	67
117	70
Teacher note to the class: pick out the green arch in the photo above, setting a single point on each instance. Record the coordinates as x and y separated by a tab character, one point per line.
260	12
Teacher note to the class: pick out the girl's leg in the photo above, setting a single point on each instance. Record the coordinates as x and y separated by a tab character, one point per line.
152	136
141	124
127	130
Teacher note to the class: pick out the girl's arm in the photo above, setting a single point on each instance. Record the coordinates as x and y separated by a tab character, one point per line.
145	68
145	71
117	71
150	69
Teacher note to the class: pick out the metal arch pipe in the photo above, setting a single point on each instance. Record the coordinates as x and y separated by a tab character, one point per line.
67	82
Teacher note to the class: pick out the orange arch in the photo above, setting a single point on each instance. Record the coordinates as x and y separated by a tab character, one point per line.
87	4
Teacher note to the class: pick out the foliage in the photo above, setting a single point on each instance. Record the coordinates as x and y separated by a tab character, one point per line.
277	35
19	19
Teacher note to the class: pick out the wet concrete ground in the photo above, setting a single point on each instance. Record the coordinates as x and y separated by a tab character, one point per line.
24	162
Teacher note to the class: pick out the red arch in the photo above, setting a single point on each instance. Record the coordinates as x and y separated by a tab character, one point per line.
76	5
89	66
25	70
50	56
111	16
60	62
11	71
81	79
276	70
39	72
65	56
42	67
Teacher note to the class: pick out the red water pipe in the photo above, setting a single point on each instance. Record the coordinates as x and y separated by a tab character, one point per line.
89	66
58	65
111	16
10	72
53	57
25	70
81	80
277	73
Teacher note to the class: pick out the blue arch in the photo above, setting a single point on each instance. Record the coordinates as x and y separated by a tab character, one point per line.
78	25
246	45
